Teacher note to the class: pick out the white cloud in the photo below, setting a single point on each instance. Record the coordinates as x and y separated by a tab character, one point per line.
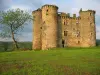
21	7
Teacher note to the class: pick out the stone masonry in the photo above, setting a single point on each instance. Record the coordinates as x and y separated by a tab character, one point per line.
53	29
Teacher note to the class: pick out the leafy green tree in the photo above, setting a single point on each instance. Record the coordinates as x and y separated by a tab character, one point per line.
12	22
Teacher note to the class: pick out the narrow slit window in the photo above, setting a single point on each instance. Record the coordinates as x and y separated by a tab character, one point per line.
47	12
90	24
64	23
90	14
91	33
40	27
65	33
78	42
78	34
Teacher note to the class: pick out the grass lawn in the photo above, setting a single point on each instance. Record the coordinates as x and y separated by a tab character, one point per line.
61	61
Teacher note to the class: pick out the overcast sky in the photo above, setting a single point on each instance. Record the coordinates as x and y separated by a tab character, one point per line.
68	6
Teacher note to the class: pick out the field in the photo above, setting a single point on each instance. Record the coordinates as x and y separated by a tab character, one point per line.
61	61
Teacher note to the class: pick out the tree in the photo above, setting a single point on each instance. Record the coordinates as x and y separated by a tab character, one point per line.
12	21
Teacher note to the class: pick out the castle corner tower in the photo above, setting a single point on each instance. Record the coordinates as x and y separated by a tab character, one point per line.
37	22
49	26
88	28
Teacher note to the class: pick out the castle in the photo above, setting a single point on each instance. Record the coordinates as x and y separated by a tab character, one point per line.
53	29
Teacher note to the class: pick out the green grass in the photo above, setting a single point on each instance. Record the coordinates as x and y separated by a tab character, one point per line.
61	61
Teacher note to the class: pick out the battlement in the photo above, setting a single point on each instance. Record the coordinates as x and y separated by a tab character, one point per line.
91	11
67	16
49	6
63	15
87	11
36	10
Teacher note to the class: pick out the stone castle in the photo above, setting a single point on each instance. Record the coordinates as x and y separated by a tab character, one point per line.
53	29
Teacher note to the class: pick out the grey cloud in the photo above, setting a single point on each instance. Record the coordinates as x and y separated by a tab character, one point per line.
31	3
5	4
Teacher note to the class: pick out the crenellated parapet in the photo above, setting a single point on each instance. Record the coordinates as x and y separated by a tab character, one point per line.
89	11
63	15
49	6
35	11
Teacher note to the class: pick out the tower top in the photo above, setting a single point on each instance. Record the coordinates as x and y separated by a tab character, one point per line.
48	6
37	10
87	11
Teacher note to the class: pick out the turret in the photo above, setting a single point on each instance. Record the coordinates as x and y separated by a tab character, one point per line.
50	24
37	18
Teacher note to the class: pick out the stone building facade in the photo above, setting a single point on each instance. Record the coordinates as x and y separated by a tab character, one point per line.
53	29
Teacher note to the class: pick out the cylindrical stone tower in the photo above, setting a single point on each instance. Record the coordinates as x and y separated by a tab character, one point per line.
49	28
37	23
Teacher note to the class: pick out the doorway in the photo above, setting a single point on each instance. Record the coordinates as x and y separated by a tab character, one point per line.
63	42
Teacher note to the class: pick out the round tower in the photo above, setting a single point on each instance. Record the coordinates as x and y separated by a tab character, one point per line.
49	28
37	22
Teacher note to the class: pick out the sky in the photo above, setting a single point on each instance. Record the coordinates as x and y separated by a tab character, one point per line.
68	6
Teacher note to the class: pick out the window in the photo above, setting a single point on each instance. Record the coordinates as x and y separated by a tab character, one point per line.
64	23
90	24
47	12
90	14
44	22
91	33
78	34
65	33
78	42
40	27
77	23
73	28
